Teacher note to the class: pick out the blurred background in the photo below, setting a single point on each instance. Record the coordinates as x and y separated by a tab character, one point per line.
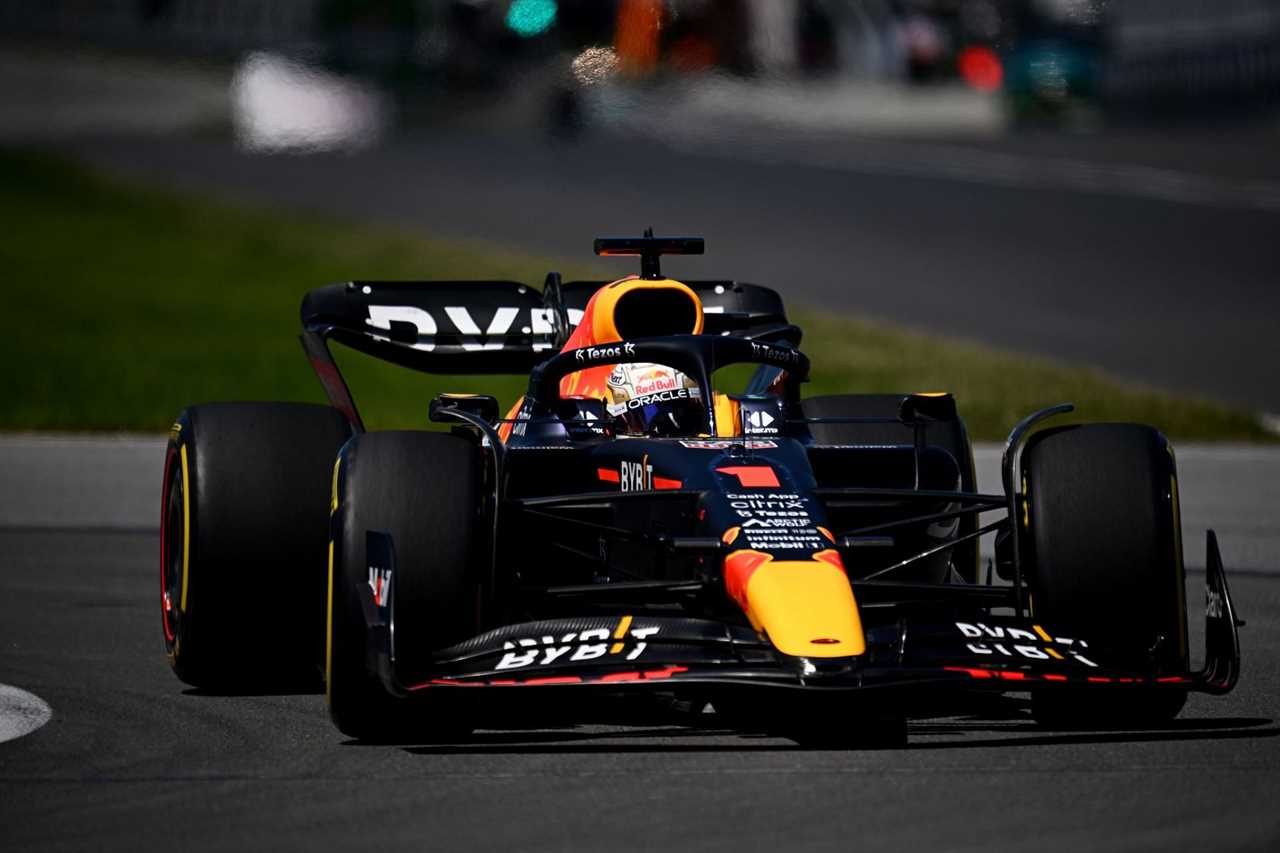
1083	186
964	66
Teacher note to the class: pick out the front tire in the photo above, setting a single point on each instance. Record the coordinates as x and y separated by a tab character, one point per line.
425	490
1102	525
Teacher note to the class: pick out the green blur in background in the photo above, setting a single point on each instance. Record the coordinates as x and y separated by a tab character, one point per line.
125	305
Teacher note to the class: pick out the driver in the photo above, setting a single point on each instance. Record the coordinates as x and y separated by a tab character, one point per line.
640	398
654	400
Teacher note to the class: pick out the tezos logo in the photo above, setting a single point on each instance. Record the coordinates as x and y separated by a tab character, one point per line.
774	354
598	353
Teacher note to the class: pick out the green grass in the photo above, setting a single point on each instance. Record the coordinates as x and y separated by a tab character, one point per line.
127	304
996	389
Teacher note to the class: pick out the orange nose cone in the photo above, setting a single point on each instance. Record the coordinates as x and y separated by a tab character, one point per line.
805	607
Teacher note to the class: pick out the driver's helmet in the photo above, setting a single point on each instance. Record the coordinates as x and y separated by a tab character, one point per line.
653	399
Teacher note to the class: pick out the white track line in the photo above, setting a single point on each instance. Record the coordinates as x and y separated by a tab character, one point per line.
21	713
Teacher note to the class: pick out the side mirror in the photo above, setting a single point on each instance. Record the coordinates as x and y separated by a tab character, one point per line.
927	406
481	405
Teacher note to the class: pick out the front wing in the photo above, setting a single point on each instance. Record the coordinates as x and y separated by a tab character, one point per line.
644	651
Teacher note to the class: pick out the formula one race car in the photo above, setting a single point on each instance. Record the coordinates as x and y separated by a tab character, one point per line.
805	565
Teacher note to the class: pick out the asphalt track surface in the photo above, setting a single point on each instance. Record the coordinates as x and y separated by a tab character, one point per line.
1151	256
132	757
1155	260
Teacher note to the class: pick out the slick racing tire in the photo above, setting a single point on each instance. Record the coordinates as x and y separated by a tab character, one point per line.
1102	526
244	515
949	435
425	490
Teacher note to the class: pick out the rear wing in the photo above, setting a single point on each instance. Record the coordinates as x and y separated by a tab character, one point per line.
475	327
437	326
729	307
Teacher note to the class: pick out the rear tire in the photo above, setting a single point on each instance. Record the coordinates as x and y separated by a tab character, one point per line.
425	490
243	524
949	435
1106	562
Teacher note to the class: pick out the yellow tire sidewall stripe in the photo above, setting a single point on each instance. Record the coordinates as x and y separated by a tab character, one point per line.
328	629
328	619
